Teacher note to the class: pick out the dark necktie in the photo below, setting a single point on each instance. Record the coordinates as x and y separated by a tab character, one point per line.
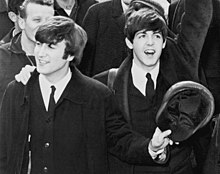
52	101
149	90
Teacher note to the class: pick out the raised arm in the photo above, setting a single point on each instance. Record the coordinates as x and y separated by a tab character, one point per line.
194	27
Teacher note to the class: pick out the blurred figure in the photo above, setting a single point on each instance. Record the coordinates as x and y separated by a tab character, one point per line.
13	15
75	9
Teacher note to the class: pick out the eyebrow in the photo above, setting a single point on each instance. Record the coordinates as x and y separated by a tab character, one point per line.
145	31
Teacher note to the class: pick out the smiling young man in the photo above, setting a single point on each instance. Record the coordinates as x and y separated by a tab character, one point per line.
64	132
155	63
19	52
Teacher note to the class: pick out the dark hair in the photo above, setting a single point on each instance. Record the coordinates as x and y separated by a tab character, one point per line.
14	5
145	19
22	9
145	14
59	28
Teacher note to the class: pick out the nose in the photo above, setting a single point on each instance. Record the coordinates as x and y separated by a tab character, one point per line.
149	40
42	50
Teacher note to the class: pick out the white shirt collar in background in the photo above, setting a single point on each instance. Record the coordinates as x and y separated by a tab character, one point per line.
124	6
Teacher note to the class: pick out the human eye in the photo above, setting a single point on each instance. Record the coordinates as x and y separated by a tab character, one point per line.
158	35
141	35
38	43
37	20
52	46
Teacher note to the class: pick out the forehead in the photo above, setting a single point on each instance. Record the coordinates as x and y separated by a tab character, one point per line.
145	31
59	45
33	9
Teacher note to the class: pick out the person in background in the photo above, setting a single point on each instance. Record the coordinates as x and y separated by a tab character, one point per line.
13	15
75	9
155	63
19	52
106	48
5	22
209	59
209	67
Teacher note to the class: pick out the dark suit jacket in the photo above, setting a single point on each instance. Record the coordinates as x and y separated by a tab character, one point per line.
209	60
104	24
179	61
78	12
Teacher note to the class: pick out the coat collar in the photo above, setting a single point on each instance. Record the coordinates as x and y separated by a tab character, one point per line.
118	14
15	44
121	86
74	90
117	10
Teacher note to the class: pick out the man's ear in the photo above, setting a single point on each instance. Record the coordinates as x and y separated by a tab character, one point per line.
21	23
128	43
164	43
70	58
12	16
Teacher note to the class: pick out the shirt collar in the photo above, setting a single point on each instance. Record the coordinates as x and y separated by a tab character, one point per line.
45	87
124	6
139	76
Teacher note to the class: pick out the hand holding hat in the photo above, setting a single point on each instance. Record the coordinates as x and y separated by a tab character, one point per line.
186	107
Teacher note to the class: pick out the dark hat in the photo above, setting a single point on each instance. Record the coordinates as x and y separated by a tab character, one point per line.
151	4
186	107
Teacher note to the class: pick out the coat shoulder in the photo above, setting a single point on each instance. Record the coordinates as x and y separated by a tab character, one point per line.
95	86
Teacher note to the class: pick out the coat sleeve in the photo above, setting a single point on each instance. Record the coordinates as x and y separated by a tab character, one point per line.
193	30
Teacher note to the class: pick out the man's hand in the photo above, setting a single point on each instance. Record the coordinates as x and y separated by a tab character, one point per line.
25	74
160	140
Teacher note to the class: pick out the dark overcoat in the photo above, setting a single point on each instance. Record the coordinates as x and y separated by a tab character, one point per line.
106	48
84	97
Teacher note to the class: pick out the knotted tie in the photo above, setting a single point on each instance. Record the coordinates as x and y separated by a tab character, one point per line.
52	101
149	90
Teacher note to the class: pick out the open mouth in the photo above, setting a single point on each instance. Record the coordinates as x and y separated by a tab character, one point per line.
149	52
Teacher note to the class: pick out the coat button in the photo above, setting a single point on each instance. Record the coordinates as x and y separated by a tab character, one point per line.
45	169
47	145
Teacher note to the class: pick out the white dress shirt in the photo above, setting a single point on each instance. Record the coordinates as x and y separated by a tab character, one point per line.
139	76
45	87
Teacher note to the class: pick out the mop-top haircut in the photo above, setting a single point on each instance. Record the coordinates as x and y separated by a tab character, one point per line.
145	15
59	28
